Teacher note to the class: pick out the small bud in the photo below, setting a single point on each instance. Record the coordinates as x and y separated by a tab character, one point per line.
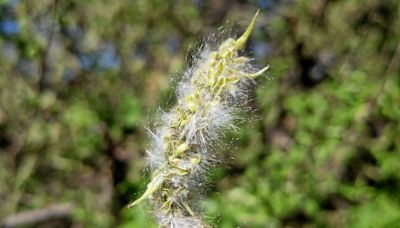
181	148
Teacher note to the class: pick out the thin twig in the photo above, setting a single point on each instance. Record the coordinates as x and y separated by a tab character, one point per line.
44	53
39	215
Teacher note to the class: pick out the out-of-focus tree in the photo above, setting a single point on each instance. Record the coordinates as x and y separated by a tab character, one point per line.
80	81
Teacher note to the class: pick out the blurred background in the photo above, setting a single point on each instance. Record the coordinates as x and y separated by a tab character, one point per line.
81	80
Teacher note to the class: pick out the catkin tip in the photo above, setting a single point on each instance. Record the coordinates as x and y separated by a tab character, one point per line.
241	41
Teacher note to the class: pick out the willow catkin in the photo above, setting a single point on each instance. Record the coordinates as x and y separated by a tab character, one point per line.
183	145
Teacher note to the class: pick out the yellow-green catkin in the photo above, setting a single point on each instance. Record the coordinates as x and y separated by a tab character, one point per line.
183	145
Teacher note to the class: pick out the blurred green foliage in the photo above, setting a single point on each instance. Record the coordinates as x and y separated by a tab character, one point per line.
81	80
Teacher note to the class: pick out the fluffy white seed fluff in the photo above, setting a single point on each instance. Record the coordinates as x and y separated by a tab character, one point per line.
183	145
